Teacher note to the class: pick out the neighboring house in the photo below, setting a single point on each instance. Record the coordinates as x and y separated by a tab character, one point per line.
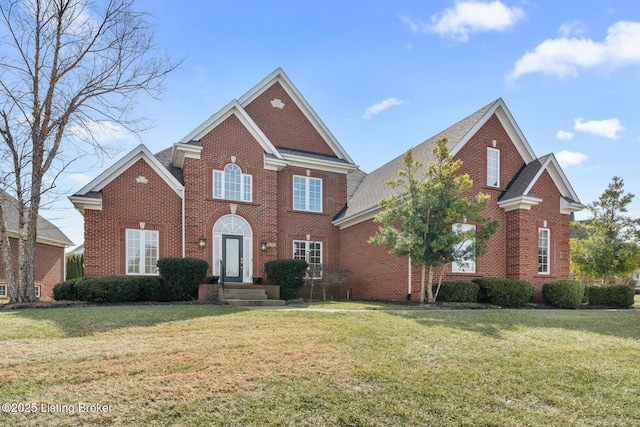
264	179
50	246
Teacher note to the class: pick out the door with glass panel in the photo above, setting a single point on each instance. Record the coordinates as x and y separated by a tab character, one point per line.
232	258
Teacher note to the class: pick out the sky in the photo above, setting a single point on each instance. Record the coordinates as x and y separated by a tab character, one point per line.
386	75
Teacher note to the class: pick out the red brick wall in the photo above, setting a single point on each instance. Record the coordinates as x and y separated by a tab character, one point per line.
49	267
512	251
270	213
126	203
286	127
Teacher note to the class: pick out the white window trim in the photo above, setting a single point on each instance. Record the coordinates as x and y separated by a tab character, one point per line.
307	181
244	197
468	266
489	181
548	256
143	260
307	244
36	290
3	291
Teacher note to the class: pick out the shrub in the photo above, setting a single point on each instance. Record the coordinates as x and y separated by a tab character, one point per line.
66	291
457	291
563	293
504	292
75	266
597	295
182	276
118	288
288	274
620	296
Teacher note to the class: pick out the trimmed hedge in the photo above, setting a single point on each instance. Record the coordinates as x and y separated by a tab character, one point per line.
288	274
504	292
620	296
563	293
182	276
118	288
66	291
457	291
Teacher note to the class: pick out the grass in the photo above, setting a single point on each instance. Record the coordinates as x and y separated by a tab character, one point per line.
214	365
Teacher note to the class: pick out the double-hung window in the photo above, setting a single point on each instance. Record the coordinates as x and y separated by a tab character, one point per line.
544	246
307	193
142	252
36	290
232	184
3	291
464	256
493	167
310	252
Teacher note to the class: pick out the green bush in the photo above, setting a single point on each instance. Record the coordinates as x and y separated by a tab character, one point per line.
66	291
587	289
597	295
118	288
182	276
620	296
75	266
457	291
504	292
286	273
563	293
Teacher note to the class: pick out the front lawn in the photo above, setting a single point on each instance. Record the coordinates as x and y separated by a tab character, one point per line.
201	365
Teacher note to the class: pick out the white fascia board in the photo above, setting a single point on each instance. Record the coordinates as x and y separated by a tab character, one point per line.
274	164
318	164
232	108
567	207
83	203
560	179
501	111
279	76
523	202
140	152
362	216
181	151
42	240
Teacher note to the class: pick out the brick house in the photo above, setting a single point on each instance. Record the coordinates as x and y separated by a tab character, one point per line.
50	246
263	178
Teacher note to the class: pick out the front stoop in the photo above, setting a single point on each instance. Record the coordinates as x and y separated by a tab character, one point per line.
247	298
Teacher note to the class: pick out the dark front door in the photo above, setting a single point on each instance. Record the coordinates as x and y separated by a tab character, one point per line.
232	258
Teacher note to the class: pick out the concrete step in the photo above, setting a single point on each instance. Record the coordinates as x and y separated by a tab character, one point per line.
254	303
248	294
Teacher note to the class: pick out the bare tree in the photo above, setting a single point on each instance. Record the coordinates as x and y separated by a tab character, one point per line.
66	66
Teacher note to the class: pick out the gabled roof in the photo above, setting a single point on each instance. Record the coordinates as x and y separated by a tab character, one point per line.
90	196
275	157
519	195
365	201
47	233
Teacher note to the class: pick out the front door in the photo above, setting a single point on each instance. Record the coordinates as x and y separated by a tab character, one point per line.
232	258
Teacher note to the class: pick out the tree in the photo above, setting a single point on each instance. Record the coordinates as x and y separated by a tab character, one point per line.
606	245
67	67
420	219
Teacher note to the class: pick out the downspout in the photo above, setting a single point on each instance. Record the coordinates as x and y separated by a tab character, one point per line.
409	281
184	230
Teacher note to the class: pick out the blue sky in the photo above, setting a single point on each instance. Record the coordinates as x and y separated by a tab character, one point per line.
386	75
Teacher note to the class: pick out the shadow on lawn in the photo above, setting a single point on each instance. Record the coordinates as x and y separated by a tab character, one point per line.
493	323
88	320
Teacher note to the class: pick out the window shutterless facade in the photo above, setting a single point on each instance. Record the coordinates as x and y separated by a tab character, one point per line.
142	252
493	167
544	249
464	262
232	184
307	193
3	291
310	252
36	289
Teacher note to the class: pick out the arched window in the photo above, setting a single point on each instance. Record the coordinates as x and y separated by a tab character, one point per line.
232	184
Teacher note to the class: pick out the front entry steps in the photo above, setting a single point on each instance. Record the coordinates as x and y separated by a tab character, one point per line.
251	297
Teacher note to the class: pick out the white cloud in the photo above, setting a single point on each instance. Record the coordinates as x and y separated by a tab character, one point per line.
468	17
101	133
566	56
568	158
564	135
572	28
381	106
608	128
